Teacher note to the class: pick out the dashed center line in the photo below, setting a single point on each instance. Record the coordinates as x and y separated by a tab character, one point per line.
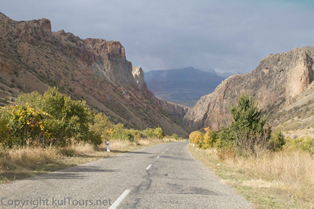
120	199
148	166
157	157
163	152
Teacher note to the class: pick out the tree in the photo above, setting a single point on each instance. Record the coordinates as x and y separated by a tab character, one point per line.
248	125
197	138
225	139
210	138
70	118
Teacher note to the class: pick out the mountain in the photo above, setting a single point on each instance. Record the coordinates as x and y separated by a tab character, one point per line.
223	75
33	58
278	81
182	86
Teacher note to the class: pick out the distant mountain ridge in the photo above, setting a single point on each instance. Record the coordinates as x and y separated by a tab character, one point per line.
182	86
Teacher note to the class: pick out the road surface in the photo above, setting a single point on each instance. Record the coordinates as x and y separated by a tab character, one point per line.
161	176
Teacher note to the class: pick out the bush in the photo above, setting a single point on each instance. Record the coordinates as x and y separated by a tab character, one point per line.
277	141
303	143
175	136
210	138
149	132
226	140
197	138
136	134
49	119
102	126
159	133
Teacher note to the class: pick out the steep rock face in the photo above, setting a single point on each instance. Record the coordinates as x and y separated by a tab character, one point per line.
32	58
138	75
174	110
274	84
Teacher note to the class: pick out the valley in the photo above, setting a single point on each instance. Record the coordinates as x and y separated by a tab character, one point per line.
63	98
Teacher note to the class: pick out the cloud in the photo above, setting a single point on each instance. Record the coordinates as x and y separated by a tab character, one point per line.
165	34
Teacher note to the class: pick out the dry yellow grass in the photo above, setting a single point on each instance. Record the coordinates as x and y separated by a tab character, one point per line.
24	162
272	180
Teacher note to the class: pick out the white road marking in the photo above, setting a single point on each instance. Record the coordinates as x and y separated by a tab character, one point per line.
167	149
157	157
162	152
148	166
120	199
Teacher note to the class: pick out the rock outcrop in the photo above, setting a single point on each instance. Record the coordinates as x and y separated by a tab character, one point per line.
138	75
174	110
32	58
274	84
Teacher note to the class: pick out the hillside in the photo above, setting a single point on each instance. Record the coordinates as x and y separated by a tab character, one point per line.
33	58
297	119
278	81
182	86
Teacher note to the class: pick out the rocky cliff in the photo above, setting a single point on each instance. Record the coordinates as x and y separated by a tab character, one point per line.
275	83
174	110
32	58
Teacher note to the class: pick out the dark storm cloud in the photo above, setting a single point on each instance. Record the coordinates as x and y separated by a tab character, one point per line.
222	35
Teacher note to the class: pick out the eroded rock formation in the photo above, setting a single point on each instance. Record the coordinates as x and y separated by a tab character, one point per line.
274	84
32	58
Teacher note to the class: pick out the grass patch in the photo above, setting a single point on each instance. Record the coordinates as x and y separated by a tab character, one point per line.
19	163
276	180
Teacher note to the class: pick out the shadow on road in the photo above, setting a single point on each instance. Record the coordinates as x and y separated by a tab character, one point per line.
75	172
176	158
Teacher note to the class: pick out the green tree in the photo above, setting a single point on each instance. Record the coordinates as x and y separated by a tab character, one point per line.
225	139
70	118
248	125
6	135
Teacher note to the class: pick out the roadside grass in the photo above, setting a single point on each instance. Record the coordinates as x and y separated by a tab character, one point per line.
272	180
19	163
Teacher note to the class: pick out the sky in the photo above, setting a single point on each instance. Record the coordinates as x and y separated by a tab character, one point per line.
223	35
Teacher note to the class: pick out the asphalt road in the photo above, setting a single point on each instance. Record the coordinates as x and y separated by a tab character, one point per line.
161	176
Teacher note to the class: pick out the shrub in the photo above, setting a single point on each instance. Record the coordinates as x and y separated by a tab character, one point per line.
303	143
175	136
70	118
136	134
210	138
277	141
149	132
197	138
102	126
159	133
226	139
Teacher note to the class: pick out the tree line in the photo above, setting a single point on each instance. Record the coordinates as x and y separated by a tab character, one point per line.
54	119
